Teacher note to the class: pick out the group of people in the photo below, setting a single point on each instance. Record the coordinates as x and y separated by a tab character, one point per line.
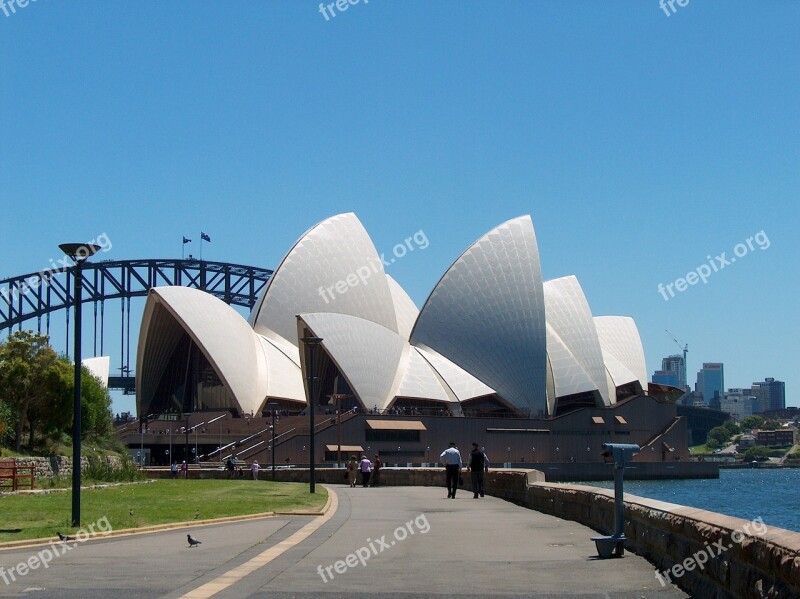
477	466
183	469
234	472
370	471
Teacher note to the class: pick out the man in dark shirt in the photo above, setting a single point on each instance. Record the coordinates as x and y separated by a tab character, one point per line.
376	471
478	464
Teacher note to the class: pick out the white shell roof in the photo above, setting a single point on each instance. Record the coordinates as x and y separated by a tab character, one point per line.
99	366
490	326
334	268
487	315
622	346
419	379
284	378
223	336
404	307
462	384
571	319
366	354
569	376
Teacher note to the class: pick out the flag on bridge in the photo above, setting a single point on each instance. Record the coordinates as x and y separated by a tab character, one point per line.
186	240
205	237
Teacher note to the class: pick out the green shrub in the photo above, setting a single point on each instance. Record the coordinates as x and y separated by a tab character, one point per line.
101	470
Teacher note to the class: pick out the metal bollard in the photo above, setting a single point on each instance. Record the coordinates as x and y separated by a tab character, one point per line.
621	453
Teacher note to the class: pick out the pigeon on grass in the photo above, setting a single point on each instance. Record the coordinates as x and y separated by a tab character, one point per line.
192	541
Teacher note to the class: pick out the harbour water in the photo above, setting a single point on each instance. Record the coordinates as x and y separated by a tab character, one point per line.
747	493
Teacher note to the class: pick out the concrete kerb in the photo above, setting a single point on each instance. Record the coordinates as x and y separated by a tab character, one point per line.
129	532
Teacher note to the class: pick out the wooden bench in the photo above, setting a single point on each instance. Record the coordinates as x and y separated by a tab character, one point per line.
14	476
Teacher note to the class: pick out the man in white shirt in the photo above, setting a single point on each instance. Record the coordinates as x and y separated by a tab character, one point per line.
452	466
366	469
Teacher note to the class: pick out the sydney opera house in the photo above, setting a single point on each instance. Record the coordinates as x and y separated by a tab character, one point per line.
495	354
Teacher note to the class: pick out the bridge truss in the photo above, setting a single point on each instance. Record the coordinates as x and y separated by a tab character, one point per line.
38	295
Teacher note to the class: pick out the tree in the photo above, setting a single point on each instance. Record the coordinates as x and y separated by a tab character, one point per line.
37	387
772	425
24	362
720	434
732	427
96	417
751	422
758	453
712	443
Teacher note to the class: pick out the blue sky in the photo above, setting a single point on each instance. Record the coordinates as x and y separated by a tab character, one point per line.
640	143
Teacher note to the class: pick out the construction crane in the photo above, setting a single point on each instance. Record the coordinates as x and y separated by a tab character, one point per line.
685	348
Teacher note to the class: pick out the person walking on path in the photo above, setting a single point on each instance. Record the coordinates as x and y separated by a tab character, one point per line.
173	470
184	469
376	471
352	470
366	470
452	466
478	464
254	468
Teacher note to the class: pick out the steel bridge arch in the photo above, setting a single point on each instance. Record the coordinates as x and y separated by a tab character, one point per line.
39	294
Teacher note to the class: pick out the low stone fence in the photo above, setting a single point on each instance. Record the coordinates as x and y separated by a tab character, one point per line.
707	554
51	466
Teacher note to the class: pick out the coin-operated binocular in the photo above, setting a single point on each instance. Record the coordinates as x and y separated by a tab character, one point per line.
620	454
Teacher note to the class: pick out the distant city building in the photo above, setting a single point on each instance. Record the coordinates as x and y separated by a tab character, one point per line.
710	381
771	394
746	442
673	372
761	393
693	399
778	438
738	403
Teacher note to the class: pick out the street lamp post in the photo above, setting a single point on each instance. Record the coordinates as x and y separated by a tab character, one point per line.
219	449
79	253
339	397
186	444
312	343
142	426
273	406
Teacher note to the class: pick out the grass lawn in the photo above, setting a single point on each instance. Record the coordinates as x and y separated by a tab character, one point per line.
160	502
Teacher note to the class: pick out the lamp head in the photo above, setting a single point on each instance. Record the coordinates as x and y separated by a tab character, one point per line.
79	252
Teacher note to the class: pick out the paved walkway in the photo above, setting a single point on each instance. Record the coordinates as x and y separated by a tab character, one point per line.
415	543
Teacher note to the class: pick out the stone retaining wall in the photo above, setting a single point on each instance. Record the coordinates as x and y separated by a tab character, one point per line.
765	563
48	467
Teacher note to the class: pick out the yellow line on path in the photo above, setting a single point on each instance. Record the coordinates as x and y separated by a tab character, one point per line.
233	576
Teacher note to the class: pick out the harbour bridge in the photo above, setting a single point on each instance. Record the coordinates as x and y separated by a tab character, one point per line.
41	295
